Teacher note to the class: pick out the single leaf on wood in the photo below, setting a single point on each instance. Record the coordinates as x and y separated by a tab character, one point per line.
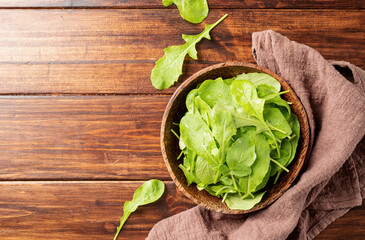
148	192
194	11
168	68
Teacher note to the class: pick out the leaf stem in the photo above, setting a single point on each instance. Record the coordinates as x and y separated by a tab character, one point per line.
224	198
122	221
276	129
283	92
279	164
277	176
172	130
178	157
220	20
216	177
234	182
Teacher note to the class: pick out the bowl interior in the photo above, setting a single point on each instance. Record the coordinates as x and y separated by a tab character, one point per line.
176	109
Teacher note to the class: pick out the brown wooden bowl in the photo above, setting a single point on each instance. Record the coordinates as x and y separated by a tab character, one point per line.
176	109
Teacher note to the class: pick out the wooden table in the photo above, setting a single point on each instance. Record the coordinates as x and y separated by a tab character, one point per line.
80	119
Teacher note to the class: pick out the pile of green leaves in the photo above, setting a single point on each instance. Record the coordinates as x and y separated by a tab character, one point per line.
237	135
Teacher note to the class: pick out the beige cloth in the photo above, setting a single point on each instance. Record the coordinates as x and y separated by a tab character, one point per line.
332	182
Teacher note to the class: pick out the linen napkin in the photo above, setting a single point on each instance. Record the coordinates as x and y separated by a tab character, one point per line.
332	182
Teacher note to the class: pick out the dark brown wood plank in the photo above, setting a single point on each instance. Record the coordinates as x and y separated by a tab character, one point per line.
113	51
81	137
212	3
73	210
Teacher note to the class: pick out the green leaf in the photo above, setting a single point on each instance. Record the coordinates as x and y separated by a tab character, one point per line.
259	168
278	122
295	125
215	91
190	100
194	11
168	68
198	137
203	109
235	202
285	154
241	156
260	78
270	95
223	129
148	192
245	94
204	171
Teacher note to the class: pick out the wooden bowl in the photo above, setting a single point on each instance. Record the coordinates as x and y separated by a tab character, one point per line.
176	109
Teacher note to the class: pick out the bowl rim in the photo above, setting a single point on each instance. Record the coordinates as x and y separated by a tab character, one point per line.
305	142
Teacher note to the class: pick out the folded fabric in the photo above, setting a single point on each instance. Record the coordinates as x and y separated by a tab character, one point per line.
333	180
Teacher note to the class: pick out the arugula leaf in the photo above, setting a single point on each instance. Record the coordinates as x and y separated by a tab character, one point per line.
285	154
260	78
295	125
241	156
241	118
194	11
198	137
235	202
190	100
204	171
245	94
270	95
148	192
203	109
223	129
277	121
259	168
168	68
216	91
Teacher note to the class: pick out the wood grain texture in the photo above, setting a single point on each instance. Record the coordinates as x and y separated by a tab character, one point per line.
73	210
81	137
79	210
113	51
212	3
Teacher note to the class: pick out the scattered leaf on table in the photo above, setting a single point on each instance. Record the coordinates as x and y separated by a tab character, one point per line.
168	68
149	192
194	11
